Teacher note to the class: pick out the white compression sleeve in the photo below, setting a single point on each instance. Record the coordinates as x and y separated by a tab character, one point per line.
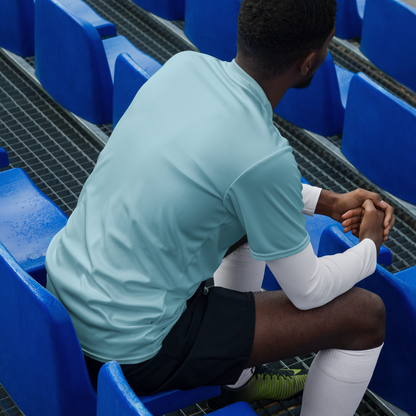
310	196
310	282
337	381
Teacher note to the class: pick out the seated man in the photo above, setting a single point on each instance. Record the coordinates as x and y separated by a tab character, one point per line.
193	166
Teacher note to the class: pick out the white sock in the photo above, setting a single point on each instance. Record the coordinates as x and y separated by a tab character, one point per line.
337	382
244	377
240	271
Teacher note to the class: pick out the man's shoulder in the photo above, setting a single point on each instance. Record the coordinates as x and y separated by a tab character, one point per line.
192	58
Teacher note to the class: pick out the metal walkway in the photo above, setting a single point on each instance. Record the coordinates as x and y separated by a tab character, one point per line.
58	152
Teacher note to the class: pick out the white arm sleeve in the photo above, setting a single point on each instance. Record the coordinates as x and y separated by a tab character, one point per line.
310	196
310	282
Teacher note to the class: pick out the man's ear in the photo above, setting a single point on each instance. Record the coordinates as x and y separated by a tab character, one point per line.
306	63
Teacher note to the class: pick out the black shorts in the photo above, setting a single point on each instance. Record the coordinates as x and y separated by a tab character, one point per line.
209	345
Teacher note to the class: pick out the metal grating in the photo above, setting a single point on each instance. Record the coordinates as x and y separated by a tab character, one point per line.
141	29
43	139
7	406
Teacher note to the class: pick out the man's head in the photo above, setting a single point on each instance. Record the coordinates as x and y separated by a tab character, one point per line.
274	34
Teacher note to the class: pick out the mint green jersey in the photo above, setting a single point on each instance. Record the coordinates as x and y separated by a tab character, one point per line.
193	165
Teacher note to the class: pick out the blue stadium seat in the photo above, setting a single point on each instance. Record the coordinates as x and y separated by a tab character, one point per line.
349	19
73	63
315	226
212	26
115	397
17	18
393	378
28	220
388	38
129	77
168	9
41	362
378	137
319	108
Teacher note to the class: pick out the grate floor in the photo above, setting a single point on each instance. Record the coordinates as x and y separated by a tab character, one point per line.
59	155
42	139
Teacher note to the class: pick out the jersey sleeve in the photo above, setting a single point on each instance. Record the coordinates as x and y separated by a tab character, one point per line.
267	200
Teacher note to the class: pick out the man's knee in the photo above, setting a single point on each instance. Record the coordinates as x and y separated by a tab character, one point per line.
371	315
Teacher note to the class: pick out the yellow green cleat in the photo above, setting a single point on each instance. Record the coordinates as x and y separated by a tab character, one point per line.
266	384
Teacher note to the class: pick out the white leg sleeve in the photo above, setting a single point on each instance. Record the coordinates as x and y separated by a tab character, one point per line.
240	271
337	381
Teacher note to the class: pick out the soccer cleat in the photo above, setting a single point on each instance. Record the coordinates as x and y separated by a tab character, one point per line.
266	384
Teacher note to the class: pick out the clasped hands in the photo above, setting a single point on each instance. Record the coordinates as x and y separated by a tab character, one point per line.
362	212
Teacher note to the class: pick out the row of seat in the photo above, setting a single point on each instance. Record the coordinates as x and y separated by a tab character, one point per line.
387	29
75	53
97	79
388	33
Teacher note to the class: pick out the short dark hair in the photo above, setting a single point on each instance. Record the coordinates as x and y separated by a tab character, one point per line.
273	34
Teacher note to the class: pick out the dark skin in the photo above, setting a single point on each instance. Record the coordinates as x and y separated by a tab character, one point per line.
354	320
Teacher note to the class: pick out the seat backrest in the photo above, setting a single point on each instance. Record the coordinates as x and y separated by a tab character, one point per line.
212	26
129	77
83	10
71	62
393	377
168	9
28	221
41	363
4	158
349	19
115	396
318	108
379	137
17	31
388	38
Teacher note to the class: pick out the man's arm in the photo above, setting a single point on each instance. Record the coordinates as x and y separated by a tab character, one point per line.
310	282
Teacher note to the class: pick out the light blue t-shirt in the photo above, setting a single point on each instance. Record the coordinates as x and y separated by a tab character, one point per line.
194	164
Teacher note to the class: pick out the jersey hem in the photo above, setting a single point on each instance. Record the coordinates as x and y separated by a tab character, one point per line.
282	254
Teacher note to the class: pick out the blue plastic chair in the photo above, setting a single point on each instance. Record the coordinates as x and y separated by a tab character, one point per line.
388	38
41	362
129	77
393	378
168	9
17	19
212	26
378	137
73	63
115	397
349	19
319	108
28	220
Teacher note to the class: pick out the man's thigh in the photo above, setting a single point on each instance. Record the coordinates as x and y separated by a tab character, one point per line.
354	321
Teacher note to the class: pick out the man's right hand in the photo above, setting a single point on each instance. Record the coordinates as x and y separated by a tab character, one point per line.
372	224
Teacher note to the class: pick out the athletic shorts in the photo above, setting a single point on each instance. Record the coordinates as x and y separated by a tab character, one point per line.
209	345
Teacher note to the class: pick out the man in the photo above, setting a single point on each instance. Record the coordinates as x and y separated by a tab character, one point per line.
194	165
